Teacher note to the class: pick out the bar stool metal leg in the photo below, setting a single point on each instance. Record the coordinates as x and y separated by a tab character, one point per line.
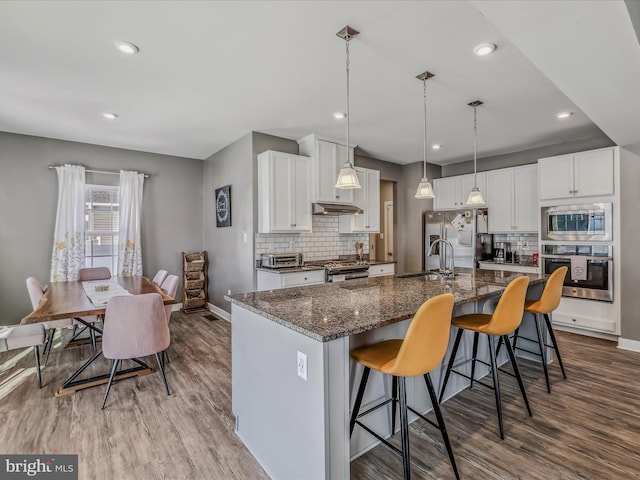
496	381
543	356
441	424
360	394
555	343
452	359
404	429
394	401
474	355
516	371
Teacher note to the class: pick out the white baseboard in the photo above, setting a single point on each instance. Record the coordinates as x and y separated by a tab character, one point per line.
223	314
627	344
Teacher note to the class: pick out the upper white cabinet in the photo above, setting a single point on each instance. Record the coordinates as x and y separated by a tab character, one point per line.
328	158
368	198
284	192
583	174
511	199
452	192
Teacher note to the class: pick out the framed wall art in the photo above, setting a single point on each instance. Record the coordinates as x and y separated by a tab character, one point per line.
223	206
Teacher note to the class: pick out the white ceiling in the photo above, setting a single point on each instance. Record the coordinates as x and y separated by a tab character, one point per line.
209	72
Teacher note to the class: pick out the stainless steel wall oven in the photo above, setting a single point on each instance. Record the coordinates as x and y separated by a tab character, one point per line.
590	272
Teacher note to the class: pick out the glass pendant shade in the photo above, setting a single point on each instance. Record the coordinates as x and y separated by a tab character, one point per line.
475	198
347	178
425	190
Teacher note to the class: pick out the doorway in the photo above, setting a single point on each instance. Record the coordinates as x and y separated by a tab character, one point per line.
382	245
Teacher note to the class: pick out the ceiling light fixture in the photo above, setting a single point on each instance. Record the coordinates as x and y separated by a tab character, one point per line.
564	115
126	47
436	146
425	190
347	178
484	49
339	115
475	198
110	115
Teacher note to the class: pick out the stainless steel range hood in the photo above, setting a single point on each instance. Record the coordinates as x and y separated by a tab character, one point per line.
335	209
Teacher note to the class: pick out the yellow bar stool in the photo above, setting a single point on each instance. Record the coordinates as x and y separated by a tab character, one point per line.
548	302
422	349
503	322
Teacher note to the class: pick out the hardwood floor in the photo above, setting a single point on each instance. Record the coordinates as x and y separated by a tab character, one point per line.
588	428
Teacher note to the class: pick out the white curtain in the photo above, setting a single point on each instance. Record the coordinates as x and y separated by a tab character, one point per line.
68	237
129	245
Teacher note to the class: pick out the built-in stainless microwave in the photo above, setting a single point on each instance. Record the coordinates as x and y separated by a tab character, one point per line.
590	222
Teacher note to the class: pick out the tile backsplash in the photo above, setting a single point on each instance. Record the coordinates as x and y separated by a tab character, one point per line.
323	243
529	242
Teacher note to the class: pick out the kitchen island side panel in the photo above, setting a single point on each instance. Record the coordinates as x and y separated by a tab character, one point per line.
285	421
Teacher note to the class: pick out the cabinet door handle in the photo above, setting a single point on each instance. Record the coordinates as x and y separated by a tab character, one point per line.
337	196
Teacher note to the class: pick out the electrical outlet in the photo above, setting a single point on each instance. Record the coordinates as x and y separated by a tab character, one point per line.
302	365
229	292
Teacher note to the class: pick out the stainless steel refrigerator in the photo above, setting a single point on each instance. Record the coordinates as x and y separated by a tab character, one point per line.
466	229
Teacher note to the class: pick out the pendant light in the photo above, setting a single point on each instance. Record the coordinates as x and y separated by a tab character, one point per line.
347	178
425	190
475	198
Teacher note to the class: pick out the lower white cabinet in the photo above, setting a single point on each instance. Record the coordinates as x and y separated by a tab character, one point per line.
284	192
273	280
382	270
602	317
368	199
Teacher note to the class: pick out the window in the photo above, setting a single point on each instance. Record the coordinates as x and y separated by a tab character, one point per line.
101	217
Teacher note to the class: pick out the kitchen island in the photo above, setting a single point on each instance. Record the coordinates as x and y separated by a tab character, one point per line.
292	377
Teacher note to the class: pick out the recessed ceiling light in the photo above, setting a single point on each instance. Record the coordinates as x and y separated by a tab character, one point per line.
484	49
126	47
436	146
110	115
564	114
339	115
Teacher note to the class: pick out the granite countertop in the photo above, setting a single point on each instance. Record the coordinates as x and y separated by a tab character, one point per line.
314	265
333	310
524	263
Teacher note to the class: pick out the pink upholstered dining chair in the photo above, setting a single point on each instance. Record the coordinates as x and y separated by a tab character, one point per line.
85	275
35	295
160	277
93	273
22	336
135	326
170	287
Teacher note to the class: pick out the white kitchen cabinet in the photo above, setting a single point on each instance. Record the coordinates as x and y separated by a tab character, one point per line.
511	199
284	192
382	270
272	280
452	192
328	158
367	198
584	174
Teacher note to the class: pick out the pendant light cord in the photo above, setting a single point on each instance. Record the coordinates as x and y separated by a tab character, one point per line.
348	113
475	152
424	154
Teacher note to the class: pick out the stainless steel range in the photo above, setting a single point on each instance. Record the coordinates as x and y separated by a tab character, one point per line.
342	270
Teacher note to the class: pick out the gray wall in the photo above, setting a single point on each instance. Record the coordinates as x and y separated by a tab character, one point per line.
231	249
171	221
408	209
629	235
526	157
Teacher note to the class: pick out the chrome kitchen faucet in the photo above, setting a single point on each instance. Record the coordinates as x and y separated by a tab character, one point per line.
444	271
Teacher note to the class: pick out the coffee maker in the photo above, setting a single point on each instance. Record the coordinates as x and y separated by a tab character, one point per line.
499	252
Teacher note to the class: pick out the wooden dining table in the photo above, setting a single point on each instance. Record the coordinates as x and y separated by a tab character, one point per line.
69	300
